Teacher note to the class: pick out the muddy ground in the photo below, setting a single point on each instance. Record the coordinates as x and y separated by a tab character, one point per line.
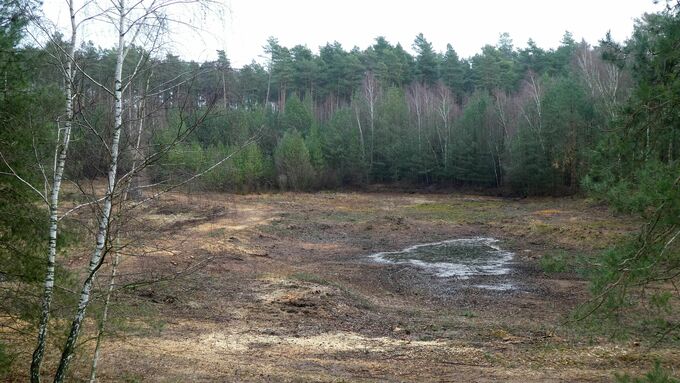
279	287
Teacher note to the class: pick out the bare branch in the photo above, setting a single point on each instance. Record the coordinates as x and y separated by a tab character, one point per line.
18	177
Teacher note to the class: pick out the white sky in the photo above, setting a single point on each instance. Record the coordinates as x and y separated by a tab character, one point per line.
467	25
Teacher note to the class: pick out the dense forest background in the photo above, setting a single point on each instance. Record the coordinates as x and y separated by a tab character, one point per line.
523	119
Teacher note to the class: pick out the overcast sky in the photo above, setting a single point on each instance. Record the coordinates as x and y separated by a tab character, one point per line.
466	25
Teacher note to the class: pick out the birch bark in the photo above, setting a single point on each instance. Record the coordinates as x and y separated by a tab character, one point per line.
58	172
102	233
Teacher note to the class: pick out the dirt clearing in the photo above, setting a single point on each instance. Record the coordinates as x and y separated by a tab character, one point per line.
280	287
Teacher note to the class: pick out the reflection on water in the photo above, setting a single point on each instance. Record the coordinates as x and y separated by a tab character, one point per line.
460	258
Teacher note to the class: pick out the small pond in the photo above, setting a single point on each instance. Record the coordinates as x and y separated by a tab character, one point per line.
464	258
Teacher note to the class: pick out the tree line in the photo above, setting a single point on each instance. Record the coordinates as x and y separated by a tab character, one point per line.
522	119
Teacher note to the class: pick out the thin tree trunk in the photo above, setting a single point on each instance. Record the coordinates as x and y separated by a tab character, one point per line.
420	125
647	144
282	98
537	100
132	191
269	86
372	114
59	164
670	148
361	133
102	233
105	315
370	94
224	90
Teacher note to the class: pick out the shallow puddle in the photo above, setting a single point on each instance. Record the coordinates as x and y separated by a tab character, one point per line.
460	258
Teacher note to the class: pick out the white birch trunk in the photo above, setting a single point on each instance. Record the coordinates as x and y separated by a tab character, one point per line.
102	233
361	133
130	190
369	87
58	172
133	189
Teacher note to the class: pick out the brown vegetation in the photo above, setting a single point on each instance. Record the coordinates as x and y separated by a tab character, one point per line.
278	287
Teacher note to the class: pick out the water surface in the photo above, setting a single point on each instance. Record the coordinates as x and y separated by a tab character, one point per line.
460	258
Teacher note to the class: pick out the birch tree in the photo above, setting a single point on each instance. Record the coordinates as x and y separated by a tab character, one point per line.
416	96
139	18
446	109
602	78
532	109
132	189
101	238
140	23
61	150
371	93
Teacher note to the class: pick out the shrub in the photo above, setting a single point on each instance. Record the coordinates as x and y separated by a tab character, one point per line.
293	166
656	375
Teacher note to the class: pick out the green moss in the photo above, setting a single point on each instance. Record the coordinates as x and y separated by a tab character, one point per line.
311	278
555	263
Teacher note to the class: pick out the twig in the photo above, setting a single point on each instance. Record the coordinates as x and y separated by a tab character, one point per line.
17	176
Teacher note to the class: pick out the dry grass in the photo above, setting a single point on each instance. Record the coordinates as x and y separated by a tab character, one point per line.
287	293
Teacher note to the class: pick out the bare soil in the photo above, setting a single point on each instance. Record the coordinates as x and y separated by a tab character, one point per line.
280	288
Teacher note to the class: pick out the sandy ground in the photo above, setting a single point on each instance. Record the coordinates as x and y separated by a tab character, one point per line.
280	288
